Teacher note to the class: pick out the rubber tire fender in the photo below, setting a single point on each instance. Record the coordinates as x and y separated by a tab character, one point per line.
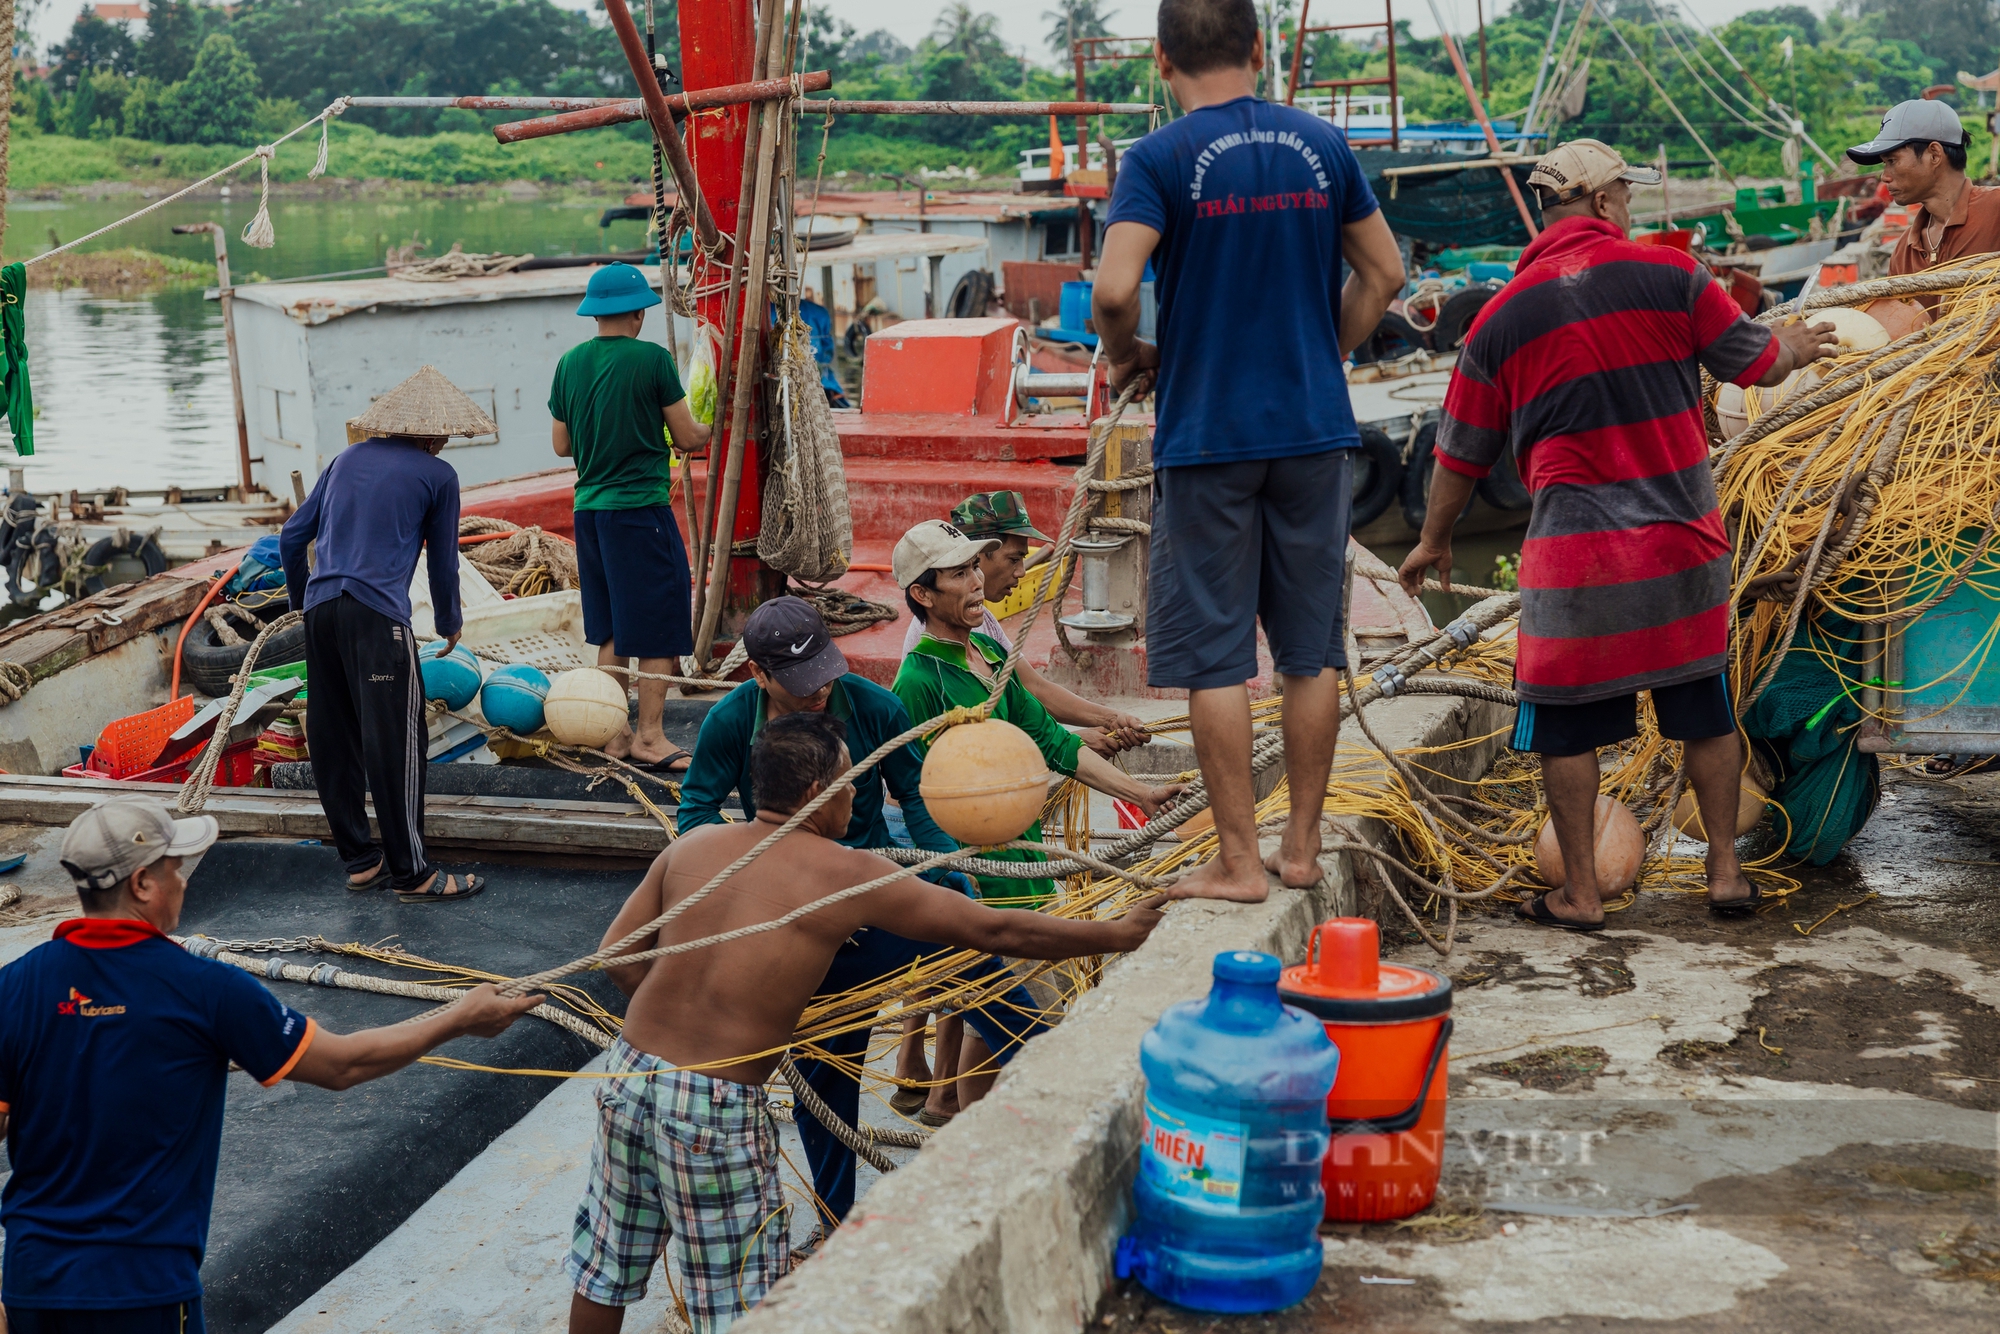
1417	479
104	548
1378	477
1503	488
1456	317
207	663
970	296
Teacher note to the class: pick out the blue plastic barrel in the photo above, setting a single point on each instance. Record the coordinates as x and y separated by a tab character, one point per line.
1075	305
1228	1196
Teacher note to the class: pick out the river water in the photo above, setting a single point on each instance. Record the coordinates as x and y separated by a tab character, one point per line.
134	390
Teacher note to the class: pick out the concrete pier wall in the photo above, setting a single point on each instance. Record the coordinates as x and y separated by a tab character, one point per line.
1006	1222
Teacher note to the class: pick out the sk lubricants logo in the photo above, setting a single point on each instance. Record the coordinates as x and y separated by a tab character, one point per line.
78	1003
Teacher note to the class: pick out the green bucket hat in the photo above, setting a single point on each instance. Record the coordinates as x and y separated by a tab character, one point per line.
996	514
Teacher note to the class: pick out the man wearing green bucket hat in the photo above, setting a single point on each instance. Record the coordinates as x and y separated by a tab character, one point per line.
610	399
1004	515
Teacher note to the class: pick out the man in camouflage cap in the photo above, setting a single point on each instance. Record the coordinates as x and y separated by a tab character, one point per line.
1004	515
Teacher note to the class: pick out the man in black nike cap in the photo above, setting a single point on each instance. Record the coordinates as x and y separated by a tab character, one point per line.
1921	147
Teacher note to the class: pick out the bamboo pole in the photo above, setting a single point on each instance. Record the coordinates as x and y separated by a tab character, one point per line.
750	320
839	108
592	113
226	294
6	101
662	116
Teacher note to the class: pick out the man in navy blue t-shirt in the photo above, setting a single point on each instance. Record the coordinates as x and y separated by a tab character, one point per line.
1245	210
115	1045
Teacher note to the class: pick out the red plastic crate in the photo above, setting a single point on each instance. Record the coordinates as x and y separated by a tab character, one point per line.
127	747
239	768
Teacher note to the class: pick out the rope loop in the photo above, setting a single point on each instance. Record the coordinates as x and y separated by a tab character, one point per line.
259	233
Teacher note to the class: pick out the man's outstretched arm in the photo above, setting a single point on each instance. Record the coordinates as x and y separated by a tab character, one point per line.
921	911
342	1060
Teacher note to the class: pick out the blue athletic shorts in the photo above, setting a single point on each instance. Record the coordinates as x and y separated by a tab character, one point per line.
1690	711
634	571
1238	543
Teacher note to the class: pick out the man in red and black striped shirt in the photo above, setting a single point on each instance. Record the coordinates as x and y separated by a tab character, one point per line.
1588	366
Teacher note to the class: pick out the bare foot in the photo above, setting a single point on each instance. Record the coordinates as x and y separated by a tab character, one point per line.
620	746
1296	862
1730	887
1215	880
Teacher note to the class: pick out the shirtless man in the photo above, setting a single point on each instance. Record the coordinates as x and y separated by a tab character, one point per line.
689	1144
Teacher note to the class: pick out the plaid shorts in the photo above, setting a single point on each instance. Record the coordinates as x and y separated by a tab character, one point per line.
681	1154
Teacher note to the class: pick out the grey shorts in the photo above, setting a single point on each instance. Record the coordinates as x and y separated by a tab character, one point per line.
1238	543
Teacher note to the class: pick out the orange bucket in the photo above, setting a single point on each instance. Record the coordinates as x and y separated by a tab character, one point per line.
1392	1023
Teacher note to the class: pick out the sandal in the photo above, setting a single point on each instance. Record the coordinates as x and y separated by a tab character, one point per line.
1743	907
908	1102
1539	914
443	888
371	880
933	1120
665	764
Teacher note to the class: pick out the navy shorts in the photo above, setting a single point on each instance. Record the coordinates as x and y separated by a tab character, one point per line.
634	571
1691	711
174	1318
1238	543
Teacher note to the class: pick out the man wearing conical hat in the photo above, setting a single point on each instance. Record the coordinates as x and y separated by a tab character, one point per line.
374	508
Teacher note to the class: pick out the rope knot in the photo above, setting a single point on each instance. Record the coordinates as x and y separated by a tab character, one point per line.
955	716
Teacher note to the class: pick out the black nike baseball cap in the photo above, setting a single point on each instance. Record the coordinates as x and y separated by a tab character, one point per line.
787	638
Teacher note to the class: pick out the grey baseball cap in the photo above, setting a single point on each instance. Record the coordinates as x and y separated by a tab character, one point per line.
107	843
1916	121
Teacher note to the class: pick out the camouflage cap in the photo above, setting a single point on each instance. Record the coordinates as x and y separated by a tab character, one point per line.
996	514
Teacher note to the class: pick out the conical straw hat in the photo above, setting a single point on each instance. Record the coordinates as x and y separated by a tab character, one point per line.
426	404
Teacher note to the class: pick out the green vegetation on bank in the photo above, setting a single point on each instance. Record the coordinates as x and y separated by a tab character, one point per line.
207	81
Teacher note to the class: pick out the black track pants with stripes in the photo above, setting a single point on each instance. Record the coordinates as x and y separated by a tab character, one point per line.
365	729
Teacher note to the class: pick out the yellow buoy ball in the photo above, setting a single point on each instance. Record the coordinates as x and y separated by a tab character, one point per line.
985	782
1749	810
1620	847
585	707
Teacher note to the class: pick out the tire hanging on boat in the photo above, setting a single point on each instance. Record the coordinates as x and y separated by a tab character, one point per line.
1457	314
1417	478
971	295
208	663
1503	488
137	546
1378	476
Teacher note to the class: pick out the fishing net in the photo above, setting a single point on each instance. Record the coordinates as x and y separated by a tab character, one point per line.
1454	208
1807	723
808	530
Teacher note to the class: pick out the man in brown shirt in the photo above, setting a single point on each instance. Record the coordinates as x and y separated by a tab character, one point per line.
1922	151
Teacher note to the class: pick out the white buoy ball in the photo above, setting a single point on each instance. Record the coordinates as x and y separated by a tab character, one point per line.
585	707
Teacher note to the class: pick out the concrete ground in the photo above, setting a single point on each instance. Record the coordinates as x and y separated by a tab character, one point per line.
1822	1109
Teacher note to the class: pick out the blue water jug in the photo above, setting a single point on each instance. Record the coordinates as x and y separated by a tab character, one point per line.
1228	1196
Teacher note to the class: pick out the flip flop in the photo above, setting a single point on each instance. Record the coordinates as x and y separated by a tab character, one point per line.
908	1101
375	877
437	893
664	766
934	1120
1740	907
1538	914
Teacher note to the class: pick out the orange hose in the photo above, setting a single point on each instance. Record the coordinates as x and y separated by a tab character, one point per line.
470	538
872	569
174	691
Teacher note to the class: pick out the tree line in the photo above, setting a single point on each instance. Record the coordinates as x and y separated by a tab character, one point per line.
204	74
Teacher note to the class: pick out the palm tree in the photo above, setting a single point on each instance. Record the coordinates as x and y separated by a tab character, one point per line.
973	35
1074	19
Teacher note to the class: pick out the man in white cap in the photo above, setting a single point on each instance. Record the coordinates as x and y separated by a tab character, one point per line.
115	1047
1921	147
1587	366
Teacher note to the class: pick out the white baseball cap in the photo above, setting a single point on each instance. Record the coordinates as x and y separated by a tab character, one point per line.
935	545
107	843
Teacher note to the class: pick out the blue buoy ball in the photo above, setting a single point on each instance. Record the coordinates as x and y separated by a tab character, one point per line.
452	676
512	698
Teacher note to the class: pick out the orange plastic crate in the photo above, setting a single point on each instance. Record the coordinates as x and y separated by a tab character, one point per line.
130	745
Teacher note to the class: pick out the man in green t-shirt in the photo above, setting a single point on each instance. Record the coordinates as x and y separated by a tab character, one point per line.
609	399
954	665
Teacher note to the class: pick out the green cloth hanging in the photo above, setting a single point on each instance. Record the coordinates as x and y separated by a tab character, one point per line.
17	400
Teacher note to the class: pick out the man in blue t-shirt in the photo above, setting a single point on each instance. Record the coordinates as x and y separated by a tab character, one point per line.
1246	210
115	1045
